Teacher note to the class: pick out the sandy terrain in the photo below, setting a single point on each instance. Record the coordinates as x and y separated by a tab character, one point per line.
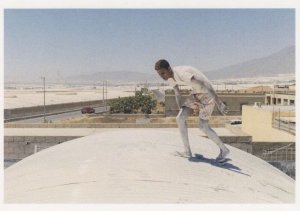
26	98
25	95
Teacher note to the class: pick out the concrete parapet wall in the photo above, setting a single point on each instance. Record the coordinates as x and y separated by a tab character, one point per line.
169	122
241	142
19	147
234	101
133	115
36	110
102	125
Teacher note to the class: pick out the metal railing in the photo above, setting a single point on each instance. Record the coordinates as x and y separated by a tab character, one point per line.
284	122
285	153
282	158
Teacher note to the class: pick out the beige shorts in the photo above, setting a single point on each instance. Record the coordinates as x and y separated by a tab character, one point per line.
202	103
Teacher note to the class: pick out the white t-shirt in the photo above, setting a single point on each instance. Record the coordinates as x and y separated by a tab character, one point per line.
183	76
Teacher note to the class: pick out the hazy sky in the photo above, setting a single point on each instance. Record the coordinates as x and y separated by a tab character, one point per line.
71	42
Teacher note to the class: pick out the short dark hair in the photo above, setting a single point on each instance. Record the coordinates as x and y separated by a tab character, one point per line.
162	64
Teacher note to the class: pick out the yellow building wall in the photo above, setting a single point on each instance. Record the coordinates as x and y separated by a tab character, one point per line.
284	114
257	122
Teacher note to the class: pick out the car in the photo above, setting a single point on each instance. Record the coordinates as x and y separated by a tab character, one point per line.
236	122
88	110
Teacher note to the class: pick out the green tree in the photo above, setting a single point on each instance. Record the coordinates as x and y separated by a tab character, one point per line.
140	102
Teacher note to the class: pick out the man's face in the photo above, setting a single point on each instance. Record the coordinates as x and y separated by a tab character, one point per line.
164	73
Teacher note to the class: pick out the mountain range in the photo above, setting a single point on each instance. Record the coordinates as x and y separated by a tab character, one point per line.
282	62
115	77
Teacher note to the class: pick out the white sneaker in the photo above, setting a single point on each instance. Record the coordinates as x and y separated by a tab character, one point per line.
223	154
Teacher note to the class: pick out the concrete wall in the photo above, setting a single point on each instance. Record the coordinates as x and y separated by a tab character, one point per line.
257	122
241	138
234	101
19	147
102	125
133	115
170	122
240	142
36	110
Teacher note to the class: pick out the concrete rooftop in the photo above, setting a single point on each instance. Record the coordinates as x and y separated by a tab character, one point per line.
139	166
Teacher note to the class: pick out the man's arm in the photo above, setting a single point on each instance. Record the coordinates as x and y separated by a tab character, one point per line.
221	106
160	96
177	96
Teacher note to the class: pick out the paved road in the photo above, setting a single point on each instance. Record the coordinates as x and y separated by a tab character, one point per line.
59	117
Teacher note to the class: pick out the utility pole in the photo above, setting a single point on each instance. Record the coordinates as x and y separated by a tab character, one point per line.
103	94
273	93
106	96
272	101
44	79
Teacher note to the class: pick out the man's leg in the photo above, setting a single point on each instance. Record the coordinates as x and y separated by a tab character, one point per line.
181	121
212	135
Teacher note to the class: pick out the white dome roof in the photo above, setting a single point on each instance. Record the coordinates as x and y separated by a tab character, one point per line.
138	166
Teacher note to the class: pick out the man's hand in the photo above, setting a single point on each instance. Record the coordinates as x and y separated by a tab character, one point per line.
222	108
160	96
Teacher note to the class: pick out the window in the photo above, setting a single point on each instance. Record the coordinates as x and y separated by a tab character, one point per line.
292	102
279	101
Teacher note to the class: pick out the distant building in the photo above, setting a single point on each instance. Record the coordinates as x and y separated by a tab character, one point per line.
281	95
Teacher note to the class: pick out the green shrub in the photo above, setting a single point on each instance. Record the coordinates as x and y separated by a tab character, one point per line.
141	102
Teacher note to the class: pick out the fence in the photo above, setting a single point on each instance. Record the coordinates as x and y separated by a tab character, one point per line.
282	158
284	121
285	153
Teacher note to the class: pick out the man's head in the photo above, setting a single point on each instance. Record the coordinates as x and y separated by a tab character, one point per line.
163	69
